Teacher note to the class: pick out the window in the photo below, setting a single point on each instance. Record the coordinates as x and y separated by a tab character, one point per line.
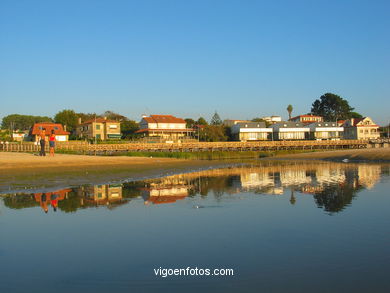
113	126
55	127
97	126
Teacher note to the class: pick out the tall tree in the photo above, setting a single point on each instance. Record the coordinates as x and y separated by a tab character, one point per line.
87	116
22	122
189	122
289	110
213	133
216	120
331	107
355	115
128	129
201	121
68	118
114	116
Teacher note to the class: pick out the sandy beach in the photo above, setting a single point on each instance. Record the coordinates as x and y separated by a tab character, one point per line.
16	161
19	170
377	155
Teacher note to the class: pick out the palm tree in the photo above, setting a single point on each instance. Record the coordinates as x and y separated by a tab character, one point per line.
292	197
289	110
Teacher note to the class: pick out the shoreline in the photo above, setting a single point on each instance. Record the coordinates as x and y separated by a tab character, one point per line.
21	170
374	155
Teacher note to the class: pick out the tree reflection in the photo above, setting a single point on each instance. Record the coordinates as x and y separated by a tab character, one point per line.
332	185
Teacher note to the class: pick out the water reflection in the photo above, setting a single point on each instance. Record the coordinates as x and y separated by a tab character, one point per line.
332	185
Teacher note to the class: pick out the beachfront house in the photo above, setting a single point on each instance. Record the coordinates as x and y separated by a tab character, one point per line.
99	128
362	128
60	132
166	128
307	119
288	130
251	131
325	131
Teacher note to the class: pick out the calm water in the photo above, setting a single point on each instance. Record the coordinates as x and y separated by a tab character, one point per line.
282	227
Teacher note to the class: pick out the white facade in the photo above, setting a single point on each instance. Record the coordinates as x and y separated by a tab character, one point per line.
251	131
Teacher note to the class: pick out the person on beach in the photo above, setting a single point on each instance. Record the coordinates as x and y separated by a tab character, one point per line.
44	203
42	137
54	201
52	141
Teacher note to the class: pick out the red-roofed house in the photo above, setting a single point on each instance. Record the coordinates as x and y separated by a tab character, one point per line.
361	128
166	127
60	133
101	128
307	119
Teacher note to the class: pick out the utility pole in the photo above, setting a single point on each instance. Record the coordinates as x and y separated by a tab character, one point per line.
94	129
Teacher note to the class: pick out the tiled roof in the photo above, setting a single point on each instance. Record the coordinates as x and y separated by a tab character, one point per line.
57	127
165	199
357	120
165	130
163	119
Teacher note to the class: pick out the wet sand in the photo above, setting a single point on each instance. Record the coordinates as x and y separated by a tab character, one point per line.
360	155
22	170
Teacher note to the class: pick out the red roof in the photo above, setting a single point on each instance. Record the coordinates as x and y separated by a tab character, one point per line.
163	119
306	115
99	120
165	130
357	120
57	127
165	199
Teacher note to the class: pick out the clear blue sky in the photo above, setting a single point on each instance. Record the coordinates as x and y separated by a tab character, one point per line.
188	58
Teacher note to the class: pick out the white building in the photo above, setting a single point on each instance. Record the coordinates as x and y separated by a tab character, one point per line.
245	131
166	127
290	131
325	131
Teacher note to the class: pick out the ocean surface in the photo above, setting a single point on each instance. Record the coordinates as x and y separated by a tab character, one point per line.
264	227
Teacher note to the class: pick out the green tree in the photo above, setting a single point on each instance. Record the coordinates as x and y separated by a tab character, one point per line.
201	121
68	118
87	116
331	107
189	122
128	129
22	122
289	110
216	120
114	116
213	133
355	115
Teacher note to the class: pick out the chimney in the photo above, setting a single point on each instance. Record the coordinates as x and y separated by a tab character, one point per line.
79	120
105	118
65	127
144	116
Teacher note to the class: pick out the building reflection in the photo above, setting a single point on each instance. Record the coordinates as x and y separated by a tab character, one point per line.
96	195
333	186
